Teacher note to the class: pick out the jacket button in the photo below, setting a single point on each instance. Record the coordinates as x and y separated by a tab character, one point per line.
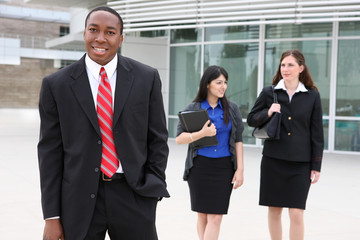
289	134
92	195
96	169
99	142
289	118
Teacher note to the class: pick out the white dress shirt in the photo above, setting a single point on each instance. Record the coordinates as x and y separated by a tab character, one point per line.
300	88
93	72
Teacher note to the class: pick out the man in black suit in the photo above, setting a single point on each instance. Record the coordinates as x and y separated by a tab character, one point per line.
80	198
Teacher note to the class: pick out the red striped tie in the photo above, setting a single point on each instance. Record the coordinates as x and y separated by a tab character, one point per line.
109	159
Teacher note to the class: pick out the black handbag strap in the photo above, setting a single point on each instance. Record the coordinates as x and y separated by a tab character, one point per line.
274	94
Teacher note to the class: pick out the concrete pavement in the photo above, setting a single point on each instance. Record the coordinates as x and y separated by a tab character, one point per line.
333	207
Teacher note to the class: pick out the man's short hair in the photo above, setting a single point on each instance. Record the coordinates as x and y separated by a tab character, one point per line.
107	9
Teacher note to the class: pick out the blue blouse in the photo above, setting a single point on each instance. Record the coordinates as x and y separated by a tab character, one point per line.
222	132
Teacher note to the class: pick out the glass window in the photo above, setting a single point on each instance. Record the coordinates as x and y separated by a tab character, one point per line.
247	134
172	127
231	33
153	34
349	29
326	133
347	136
240	60
185	76
65	63
298	30
64	30
318	59
186	35
348	78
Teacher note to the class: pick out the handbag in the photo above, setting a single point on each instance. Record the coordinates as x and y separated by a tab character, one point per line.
271	129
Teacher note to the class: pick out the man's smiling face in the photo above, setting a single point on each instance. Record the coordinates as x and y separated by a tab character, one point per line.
102	36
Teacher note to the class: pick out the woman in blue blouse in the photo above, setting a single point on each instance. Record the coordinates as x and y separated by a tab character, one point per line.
212	172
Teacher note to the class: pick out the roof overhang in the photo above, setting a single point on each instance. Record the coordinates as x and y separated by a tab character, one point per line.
68	42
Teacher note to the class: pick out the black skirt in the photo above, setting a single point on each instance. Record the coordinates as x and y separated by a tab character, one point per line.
210	184
284	183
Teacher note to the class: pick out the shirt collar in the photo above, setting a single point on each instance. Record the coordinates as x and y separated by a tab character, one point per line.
94	68
300	88
205	104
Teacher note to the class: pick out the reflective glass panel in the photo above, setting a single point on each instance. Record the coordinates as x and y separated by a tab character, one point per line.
298	30
185	70
348	78
247	134
231	33
152	34
185	35
349	29
241	62
347	136
326	133
172	127
318	59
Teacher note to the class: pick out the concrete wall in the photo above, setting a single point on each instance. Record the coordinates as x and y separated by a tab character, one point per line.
29	28
20	84
153	52
20	81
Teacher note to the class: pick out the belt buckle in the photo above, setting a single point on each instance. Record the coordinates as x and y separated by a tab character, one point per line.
105	179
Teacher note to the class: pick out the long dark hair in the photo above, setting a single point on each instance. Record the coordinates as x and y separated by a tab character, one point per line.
210	74
304	77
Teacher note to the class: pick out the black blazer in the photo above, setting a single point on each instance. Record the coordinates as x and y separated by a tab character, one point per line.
69	148
301	134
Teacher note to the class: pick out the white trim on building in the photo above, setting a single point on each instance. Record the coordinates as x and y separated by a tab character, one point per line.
144	15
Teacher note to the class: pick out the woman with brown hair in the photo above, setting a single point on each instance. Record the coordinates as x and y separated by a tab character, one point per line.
289	165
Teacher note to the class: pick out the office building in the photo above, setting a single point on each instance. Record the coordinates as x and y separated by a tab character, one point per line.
182	37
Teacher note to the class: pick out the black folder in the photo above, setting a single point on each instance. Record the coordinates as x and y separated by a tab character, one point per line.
193	121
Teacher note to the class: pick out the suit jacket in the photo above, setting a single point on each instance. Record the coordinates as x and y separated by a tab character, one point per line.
301	132
70	146
235	135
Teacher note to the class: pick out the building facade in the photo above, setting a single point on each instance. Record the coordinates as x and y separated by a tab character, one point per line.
247	39
24	58
332	54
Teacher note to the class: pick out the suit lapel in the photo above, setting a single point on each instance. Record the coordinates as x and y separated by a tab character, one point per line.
82	91
124	81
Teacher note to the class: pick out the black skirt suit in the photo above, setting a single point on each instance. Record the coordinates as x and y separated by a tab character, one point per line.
209	179
287	163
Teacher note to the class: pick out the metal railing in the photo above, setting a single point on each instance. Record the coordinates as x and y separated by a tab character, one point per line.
27	41
34	41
